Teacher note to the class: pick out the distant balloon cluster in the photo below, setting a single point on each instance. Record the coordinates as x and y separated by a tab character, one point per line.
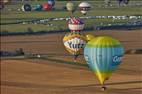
46	7
84	7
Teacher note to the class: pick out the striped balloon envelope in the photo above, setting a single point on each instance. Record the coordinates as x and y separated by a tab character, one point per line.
74	43
76	24
103	55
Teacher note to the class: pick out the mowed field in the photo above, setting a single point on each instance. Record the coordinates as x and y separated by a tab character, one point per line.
58	74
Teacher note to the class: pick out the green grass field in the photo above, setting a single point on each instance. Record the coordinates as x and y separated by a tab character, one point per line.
8	18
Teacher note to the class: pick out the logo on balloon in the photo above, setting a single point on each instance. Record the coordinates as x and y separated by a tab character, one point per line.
76	45
116	60
86	58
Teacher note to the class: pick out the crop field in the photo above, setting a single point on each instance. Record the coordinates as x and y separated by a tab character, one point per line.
56	73
47	67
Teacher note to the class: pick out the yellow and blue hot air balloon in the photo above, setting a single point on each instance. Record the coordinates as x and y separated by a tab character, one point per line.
74	42
89	37
103	55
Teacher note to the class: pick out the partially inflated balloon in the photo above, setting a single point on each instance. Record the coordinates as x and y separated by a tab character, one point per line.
74	43
89	37
75	24
103	55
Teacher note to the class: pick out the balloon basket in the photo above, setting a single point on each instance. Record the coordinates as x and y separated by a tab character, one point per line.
103	88
75	60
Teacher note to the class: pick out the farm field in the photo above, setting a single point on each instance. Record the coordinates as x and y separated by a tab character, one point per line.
56	73
47	68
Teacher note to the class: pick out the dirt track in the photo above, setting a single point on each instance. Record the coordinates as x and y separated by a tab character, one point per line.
55	76
42	43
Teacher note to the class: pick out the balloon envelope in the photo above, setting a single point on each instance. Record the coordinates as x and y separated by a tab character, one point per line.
74	43
47	7
51	2
70	7
84	7
26	7
38	7
103	55
75	24
89	37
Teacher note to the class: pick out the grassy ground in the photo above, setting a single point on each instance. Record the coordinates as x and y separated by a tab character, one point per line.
14	16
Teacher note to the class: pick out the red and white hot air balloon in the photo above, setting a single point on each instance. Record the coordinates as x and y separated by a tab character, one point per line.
84	7
76	24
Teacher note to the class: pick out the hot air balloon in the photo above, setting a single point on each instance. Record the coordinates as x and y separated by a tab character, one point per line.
74	43
38	7
75	24
26	7
89	37
84	7
51	2
70	7
103	55
47	7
